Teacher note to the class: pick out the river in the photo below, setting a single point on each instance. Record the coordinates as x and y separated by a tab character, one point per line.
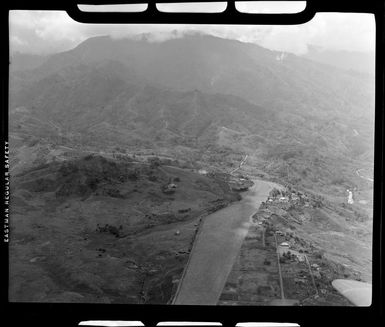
217	246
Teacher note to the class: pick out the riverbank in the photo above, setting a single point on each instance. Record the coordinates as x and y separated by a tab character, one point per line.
217	246
336	243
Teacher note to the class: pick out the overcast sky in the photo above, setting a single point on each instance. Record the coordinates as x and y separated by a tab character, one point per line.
46	32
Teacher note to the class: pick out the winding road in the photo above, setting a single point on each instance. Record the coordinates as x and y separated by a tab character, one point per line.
240	164
358	172
217	246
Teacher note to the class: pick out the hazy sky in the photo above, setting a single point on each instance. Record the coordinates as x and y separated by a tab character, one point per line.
54	31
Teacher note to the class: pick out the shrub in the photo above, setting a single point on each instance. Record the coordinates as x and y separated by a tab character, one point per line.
274	192
109	229
132	175
184	210
154	162
152	178
88	157
318	254
67	168
92	183
338	181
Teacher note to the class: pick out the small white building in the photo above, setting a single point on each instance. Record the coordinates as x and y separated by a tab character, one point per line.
350	197
300	257
315	266
283	248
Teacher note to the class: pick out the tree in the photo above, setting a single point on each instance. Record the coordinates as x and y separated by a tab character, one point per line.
274	192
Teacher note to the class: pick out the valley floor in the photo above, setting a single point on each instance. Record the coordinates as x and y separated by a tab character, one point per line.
217	246
321	247
97	229
254	278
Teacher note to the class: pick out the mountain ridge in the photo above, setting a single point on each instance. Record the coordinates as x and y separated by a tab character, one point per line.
138	92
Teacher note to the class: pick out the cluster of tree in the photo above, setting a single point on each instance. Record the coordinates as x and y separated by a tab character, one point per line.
110	229
154	162
114	193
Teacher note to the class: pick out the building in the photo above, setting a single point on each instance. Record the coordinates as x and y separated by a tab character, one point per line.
350	197
169	188
283	248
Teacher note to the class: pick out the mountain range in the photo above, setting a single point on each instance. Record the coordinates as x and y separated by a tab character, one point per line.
202	92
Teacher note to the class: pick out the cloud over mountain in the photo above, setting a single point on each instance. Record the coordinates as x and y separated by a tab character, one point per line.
53	31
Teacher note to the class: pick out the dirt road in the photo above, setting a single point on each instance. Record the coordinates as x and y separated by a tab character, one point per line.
358	172
216	248
240	164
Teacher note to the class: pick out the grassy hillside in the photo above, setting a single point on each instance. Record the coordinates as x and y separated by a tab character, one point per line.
101	230
300	148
